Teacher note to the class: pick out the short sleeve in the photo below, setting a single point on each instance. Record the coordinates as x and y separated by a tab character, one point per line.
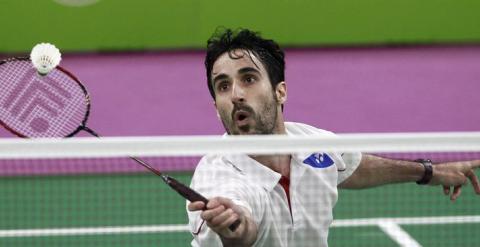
348	161
351	161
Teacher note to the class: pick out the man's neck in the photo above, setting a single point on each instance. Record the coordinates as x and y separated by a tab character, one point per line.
277	163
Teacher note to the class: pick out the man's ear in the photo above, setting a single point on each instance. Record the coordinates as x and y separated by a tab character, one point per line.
281	92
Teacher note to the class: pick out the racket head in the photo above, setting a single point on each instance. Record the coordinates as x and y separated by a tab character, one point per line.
34	106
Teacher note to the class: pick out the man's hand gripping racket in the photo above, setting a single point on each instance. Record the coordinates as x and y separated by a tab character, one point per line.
56	105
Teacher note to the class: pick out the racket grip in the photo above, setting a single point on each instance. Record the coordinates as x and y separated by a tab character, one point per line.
194	196
186	191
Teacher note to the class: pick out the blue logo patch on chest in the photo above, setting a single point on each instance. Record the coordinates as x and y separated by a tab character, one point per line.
319	160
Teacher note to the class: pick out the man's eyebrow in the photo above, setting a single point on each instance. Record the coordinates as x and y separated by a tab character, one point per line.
244	70
219	77
248	70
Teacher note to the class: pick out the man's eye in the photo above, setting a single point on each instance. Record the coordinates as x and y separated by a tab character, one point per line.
250	79
222	86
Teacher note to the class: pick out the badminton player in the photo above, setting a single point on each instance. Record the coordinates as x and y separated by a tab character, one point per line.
282	200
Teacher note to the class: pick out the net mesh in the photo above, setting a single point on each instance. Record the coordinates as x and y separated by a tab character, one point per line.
84	192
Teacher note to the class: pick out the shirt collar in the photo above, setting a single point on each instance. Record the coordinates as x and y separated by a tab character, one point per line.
258	173
253	170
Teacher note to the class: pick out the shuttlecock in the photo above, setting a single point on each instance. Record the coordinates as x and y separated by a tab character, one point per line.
45	57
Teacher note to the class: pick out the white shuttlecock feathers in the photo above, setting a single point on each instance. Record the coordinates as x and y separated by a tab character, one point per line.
45	57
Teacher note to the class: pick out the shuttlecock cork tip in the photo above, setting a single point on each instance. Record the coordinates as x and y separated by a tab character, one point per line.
45	57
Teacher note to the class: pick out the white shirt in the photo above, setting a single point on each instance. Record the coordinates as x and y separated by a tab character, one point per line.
313	193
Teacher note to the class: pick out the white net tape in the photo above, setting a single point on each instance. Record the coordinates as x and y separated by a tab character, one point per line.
201	145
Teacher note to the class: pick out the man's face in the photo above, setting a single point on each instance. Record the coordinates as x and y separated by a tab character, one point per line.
244	98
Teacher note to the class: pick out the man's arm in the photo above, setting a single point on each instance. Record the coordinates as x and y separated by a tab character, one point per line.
374	171
220	214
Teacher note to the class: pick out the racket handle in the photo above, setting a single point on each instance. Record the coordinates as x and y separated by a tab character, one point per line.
194	196
185	191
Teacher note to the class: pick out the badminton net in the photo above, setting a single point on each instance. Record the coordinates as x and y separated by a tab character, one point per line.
86	191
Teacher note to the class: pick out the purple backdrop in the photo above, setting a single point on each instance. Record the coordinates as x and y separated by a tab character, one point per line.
343	90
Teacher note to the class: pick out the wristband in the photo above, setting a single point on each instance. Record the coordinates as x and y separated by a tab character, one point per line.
428	174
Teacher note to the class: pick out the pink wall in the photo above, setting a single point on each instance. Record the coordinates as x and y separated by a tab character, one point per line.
344	90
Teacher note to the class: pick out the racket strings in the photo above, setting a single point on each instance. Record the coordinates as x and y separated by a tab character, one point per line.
54	105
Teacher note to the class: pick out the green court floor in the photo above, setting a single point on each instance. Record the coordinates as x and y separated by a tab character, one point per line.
48	203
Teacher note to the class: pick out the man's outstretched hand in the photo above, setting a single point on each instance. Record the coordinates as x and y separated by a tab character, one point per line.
220	213
456	174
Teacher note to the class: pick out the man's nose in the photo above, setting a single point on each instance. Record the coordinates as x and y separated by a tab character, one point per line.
238	93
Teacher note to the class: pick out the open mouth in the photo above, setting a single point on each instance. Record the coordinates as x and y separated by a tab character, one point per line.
241	117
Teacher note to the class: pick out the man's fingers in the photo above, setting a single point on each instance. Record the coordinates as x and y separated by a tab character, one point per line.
219	214
446	190
222	217
233	217
195	206
473	178
211	213
457	190
225	201
213	203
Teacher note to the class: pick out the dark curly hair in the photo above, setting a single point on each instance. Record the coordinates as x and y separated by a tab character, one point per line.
266	50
